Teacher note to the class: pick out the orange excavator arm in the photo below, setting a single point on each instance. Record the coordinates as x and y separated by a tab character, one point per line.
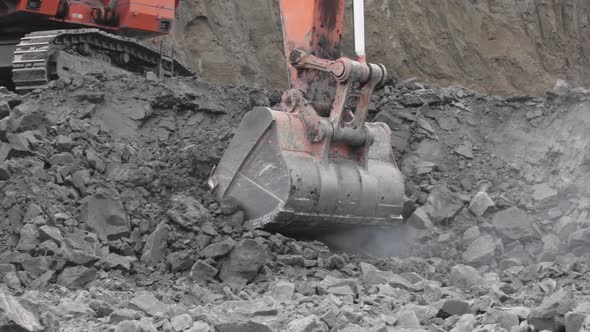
315	165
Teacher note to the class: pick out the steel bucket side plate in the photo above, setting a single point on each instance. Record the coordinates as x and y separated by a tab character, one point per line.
284	182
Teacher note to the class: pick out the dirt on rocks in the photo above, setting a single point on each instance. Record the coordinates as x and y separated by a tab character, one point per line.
106	223
497	47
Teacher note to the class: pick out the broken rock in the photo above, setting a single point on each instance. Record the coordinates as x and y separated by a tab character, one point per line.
219	249
202	271
442	205
77	276
513	223
481	251
15	317
464	277
543	193
244	261
155	248
480	203
181	322
106	216
419	219
147	303
308	324
550	314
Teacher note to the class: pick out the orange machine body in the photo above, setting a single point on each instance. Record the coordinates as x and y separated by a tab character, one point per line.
133	18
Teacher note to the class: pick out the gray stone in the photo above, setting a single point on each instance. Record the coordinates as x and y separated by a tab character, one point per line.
550	314
77	276
4	172
509	262
202	271
101	308
180	261
4	109
370	275
11	280
513	224
407	320
282	291
181	322
6	268
229	206
464	277
219	249
106	216
249	326
29	235
128	326
419	219
481	251
15	317
50	233
337	286
64	143
574	321
78	252
505	319
156	246
585	325
579	238
470	235
123	314
199	326
36	266
244	261
264	306
465	324
114	261
543	193
551	245
480	203
62	159
308	324
442	205
562	88
150	76
147	303
453	307
564	227
534	113
448	123
292	260
465	150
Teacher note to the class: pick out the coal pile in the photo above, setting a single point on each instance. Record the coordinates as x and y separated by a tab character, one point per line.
106	223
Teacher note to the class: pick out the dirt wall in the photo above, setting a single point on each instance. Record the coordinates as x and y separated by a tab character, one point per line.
496	46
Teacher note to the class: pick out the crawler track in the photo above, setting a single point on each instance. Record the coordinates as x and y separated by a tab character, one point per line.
35	61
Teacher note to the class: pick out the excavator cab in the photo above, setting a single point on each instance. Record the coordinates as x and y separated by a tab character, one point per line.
315	164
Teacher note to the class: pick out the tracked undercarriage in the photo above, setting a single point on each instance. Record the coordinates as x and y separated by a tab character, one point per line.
43	56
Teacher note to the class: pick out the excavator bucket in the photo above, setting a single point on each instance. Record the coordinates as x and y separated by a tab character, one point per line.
315	166
285	184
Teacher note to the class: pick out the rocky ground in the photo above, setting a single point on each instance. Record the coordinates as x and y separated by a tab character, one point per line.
106	223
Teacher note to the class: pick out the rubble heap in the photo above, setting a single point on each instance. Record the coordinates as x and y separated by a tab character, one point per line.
106	223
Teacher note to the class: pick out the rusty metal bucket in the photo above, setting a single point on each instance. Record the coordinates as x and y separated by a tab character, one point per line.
286	180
